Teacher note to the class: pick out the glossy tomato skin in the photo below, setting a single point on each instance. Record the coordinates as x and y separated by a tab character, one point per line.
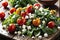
37	4
21	21
23	14
12	10
36	22
11	28
5	4
18	10
2	15
29	9
51	24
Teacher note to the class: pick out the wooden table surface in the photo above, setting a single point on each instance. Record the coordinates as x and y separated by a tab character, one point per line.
5	34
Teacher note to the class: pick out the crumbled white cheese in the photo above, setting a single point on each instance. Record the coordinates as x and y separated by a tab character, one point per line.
26	17
45	35
43	22
15	32
33	37
24	26
23	30
23	35
28	27
40	37
19	32
32	16
39	25
59	27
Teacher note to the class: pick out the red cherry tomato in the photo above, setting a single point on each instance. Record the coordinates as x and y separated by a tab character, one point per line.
12	10
5	4
51	24
11	28
2	15
23	14
21	21
24	20
37	4
29	9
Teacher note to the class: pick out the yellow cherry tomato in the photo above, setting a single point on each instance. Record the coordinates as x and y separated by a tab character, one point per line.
18	10
36	21
53	11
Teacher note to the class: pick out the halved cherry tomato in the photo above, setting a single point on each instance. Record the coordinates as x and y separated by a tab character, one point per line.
12	10
51	24
29	9
23	14
21	21
2	15
5	4
11	28
37	4
36	22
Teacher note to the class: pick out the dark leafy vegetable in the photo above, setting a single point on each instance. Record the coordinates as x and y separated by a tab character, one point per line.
21	3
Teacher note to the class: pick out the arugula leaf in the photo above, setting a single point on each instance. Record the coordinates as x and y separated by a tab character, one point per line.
11	19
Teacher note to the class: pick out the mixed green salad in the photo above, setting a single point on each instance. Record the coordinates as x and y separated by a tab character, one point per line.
29	18
32	20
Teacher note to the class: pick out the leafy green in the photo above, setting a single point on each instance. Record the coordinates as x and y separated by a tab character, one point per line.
28	22
11	19
29	33
21	3
42	28
49	30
